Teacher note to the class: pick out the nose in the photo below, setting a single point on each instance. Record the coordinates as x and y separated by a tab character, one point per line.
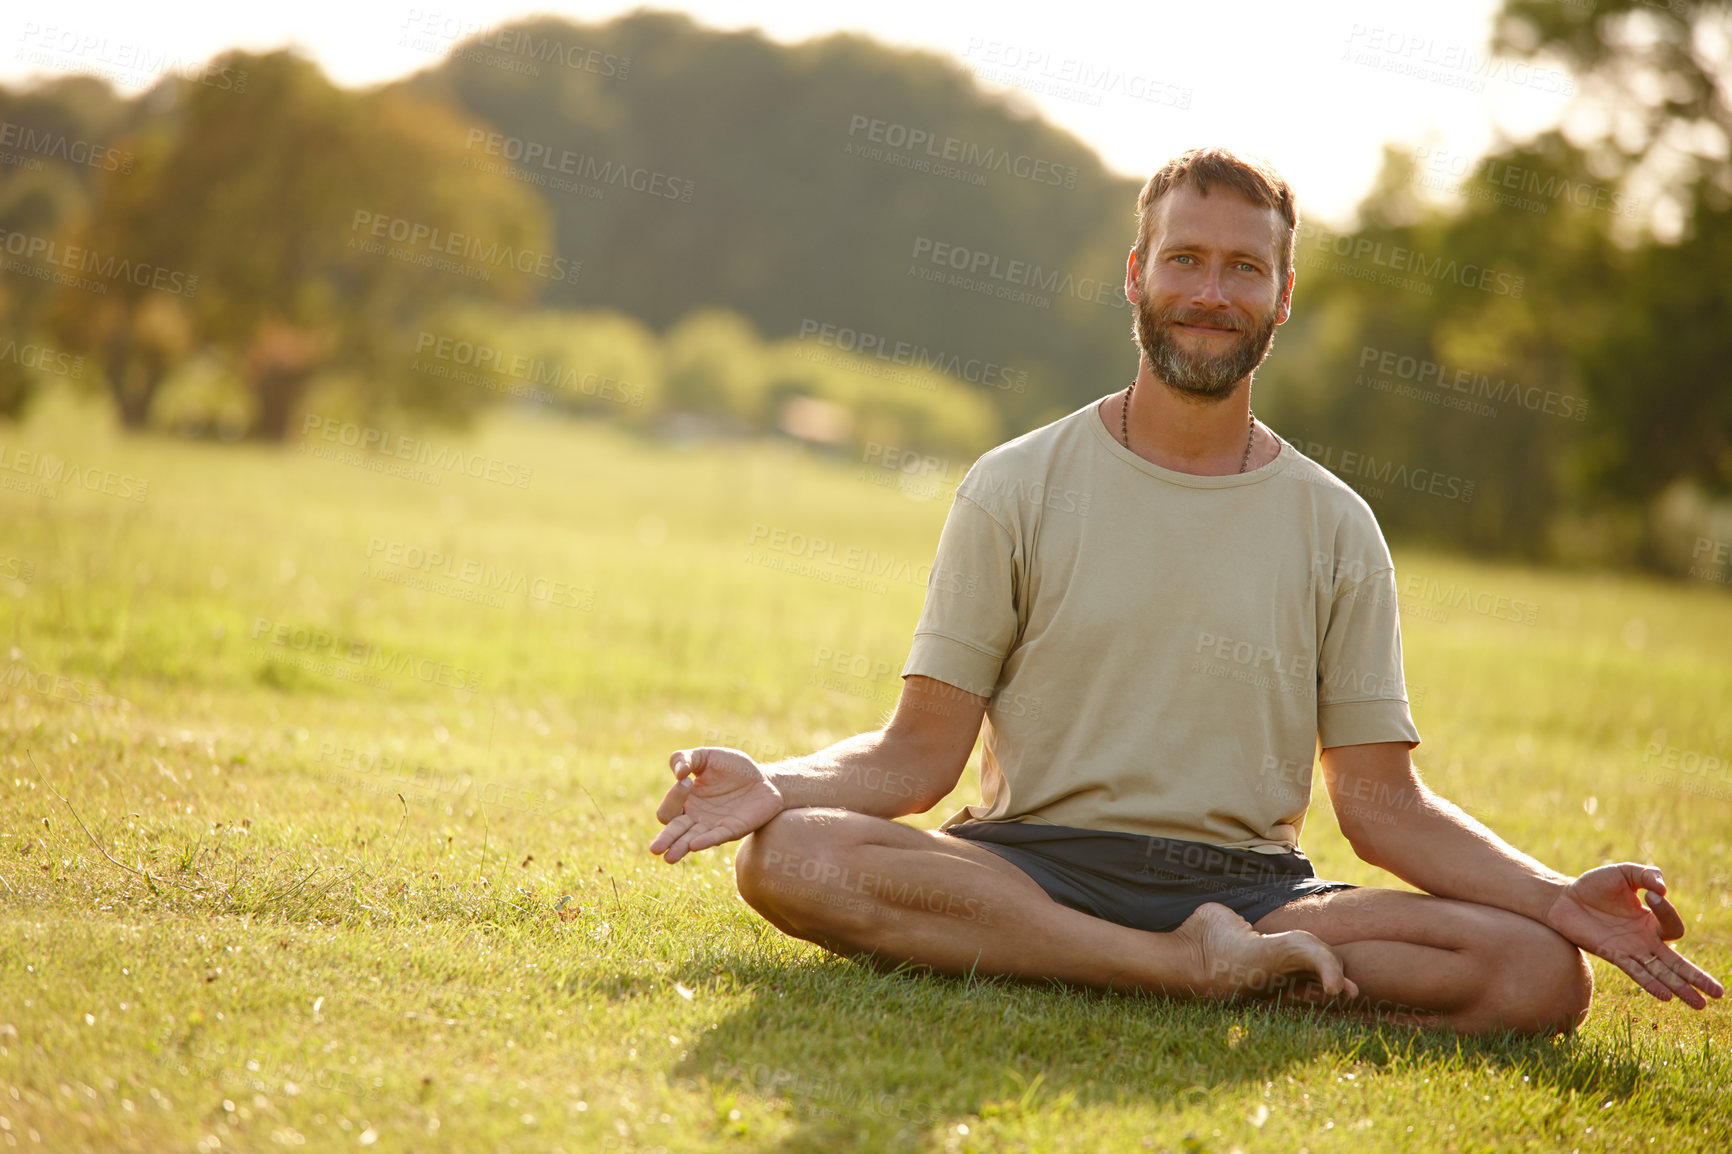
1207	292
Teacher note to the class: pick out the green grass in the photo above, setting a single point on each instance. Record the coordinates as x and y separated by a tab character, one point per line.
332	916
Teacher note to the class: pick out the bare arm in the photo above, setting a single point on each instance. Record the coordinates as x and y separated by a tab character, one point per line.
907	767
1393	821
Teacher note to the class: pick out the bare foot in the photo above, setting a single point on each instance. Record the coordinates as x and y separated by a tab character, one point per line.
1233	959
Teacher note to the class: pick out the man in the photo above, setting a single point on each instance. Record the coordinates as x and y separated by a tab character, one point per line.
1161	610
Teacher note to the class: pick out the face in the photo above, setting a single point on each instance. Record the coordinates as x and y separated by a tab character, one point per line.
1208	296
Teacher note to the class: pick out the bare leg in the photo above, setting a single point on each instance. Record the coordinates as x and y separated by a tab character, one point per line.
873	888
1433	961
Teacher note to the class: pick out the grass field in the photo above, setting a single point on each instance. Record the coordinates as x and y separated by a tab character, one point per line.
309	840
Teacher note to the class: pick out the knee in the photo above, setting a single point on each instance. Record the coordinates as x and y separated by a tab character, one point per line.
1544	987
762	851
1572	988
782	868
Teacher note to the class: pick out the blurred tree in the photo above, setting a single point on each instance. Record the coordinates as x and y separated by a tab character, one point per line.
1465	303
297	226
807	184
1651	338
1656	78
715	366
55	139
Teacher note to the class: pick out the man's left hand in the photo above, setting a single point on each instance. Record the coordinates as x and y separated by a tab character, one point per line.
1601	913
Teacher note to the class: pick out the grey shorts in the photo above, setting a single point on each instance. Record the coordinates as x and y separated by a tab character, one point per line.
1150	883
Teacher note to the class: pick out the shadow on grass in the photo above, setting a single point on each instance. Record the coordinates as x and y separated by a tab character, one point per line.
856	1059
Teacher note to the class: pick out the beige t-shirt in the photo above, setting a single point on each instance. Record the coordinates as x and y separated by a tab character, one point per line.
1163	652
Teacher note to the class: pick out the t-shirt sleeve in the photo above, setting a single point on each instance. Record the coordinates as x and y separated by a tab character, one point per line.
969	622
1361	692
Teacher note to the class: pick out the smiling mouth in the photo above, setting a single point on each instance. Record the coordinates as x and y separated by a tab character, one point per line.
1201	328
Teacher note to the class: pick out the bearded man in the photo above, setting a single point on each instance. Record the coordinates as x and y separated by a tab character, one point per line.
1161	611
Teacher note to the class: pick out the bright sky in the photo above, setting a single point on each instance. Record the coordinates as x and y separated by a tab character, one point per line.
1316	87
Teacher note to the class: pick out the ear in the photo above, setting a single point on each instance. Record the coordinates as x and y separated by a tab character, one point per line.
1133	290
1285	307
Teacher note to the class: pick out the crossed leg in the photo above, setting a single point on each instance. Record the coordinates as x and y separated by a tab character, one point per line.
1425	960
887	893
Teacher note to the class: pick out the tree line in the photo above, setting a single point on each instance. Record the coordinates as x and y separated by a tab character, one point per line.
1522	353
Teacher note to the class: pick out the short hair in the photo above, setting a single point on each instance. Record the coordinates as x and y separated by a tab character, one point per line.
1254	180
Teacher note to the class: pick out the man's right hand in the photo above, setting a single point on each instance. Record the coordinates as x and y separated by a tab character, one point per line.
718	795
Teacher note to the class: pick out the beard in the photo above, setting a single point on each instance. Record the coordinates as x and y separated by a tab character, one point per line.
1200	375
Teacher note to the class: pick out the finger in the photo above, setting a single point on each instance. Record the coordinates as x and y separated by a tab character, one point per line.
1662	968
680	761
674	803
668	836
713	836
1640	975
1690	972
1671	921
684	846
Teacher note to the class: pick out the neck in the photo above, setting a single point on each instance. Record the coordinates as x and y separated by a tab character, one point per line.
1188	434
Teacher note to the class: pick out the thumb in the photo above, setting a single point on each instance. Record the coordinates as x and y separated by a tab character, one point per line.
1671	921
